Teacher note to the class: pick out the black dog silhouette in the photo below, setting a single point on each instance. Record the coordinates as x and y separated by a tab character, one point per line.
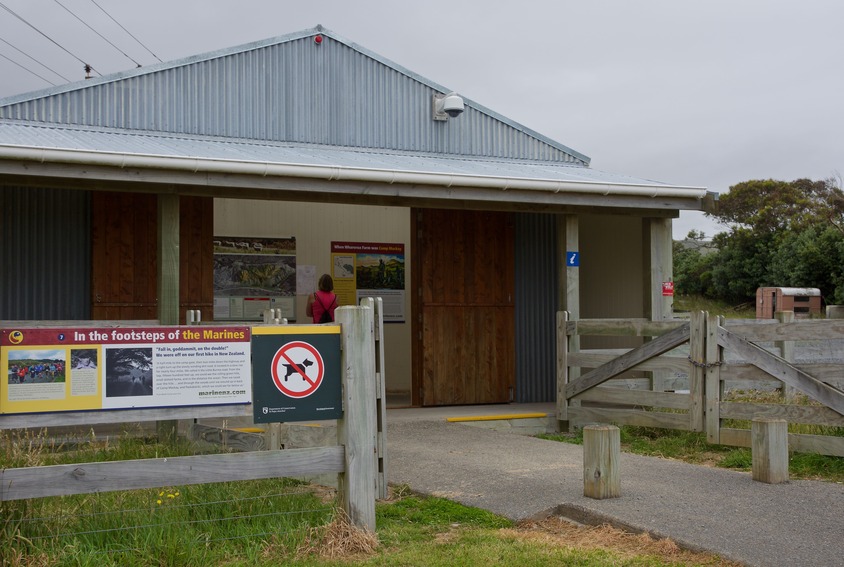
291	368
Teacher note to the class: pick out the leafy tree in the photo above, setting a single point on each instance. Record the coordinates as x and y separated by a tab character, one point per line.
813	257
782	233
693	260
741	265
770	206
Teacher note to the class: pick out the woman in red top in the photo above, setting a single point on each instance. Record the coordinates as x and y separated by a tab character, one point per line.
323	302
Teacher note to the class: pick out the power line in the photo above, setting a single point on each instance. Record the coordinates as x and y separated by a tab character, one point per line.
33	59
54	42
69	11
29	70
127	31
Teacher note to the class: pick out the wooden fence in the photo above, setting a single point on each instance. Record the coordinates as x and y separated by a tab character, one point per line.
688	374
353	458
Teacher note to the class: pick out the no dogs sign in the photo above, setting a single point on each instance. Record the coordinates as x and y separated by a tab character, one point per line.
296	373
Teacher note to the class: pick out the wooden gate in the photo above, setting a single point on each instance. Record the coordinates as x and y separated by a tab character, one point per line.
464	351
714	363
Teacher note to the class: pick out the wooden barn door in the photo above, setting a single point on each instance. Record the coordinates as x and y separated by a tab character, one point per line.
124	256
464	290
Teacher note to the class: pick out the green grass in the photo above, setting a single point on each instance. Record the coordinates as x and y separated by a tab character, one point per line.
432	532
190	525
261	523
698	303
192	529
691	447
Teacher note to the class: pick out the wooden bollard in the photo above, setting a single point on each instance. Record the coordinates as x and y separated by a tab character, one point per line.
769	447
601	450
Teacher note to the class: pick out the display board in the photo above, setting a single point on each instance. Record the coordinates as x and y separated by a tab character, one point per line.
370	269
73	369
252	275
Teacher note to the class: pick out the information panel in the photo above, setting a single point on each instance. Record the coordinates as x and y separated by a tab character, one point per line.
73	369
296	373
370	269
252	275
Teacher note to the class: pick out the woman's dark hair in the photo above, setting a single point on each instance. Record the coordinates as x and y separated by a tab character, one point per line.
326	283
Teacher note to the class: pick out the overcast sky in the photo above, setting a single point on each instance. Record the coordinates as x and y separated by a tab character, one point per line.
707	93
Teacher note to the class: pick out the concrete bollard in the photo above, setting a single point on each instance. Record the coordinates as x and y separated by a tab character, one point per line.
601	451
769	447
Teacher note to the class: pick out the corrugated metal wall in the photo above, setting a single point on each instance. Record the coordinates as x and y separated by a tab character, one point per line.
291	91
536	307
45	252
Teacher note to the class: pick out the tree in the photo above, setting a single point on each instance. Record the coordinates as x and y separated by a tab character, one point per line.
770	206
741	265
693	261
782	233
812	258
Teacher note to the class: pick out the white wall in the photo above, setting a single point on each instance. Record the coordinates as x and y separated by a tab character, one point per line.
315	226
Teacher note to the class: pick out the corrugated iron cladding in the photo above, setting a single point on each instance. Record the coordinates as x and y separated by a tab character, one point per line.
536	307
44	254
293	91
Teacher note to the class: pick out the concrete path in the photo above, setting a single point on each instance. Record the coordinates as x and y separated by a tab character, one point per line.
796	524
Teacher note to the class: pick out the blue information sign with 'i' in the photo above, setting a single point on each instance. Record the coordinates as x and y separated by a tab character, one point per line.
572	259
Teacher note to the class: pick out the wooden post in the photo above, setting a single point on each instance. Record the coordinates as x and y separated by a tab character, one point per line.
769	446
572	305
562	371
660	270
697	368
786	352
601	451
712	379
168	283
377	304
356	429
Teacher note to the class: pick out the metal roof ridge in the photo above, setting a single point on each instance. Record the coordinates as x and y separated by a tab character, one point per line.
156	67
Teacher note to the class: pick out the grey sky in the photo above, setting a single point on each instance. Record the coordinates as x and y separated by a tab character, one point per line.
690	93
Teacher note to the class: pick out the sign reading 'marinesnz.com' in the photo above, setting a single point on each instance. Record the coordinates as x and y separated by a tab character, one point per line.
296	373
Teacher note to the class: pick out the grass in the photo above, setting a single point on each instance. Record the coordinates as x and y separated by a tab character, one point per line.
279	521
691	447
433	532
689	303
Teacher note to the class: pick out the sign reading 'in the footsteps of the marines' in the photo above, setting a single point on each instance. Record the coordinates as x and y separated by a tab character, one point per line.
296	373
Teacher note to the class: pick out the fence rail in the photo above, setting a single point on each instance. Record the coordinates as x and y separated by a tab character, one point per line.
703	362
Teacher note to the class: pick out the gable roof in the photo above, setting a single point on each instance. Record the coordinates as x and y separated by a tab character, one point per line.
288	89
290	118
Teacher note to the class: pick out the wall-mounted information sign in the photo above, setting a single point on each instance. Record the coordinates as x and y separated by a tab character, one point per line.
370	269
252	275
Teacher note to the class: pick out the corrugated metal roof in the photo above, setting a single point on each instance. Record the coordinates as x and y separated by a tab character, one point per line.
20	134
288	89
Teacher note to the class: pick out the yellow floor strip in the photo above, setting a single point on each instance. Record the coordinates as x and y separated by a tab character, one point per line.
249	429
494	417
